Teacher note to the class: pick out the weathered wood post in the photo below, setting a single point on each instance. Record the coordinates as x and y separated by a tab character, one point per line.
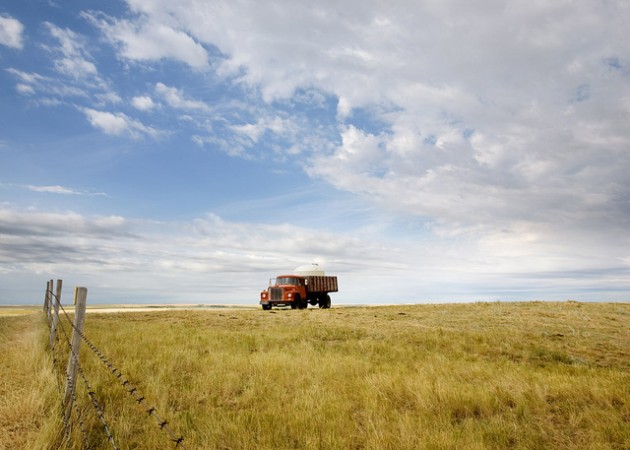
80	296
53	328
47	299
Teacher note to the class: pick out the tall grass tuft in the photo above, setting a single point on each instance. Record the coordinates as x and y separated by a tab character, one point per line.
29	408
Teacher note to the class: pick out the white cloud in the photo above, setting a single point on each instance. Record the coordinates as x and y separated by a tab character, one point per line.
118	124
74	61
27	78
76	79
52	189
11	31
76	74
25	89
276	125
147	40
53	90
209	259
63	190
344	108
143	103
35	223
110	123
175	98
252	131
108	97
479	124
76	67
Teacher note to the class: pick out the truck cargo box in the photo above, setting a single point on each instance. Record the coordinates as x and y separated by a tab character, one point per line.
321	284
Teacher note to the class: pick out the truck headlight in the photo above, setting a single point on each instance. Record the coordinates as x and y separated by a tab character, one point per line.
289	296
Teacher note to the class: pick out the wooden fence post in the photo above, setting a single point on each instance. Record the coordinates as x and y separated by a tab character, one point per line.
47	299
53	328
80	295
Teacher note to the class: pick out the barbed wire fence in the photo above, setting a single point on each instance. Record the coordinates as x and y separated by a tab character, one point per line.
65	330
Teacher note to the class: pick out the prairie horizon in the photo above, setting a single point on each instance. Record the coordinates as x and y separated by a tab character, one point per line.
255	305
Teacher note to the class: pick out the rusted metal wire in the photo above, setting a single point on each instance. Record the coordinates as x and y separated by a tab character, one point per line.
86	441
90	391
129	388
136	395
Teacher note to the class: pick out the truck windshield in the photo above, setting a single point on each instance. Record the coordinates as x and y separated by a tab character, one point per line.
287	280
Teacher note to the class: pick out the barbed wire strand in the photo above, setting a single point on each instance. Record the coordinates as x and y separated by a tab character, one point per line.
56	361
86	442
73	399
63	411
97	407
130	389
90	391
58	365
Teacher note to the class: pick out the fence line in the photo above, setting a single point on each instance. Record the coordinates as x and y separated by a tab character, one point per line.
74	367
69	400
55	319
71	373
80	298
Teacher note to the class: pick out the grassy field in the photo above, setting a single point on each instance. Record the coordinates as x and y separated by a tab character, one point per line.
28	398
466	376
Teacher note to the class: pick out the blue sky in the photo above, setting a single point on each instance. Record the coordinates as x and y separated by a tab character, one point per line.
159	151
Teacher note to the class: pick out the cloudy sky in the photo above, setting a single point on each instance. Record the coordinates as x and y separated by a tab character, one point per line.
423	151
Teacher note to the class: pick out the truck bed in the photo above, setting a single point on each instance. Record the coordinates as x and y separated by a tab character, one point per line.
321	284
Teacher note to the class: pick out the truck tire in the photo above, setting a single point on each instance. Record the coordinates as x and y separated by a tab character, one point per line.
297	300
327	301
266	307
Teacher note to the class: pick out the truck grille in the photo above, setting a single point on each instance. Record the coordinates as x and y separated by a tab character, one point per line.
275	293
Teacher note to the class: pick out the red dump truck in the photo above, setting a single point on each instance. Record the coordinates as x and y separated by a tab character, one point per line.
307	284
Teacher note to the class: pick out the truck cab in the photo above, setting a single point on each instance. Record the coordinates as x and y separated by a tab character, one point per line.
285	290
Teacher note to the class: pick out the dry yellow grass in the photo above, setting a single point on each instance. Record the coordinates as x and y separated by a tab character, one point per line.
28	397
469	376
17	310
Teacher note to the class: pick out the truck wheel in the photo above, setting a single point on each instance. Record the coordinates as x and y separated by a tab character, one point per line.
327	301
266	307
297	301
